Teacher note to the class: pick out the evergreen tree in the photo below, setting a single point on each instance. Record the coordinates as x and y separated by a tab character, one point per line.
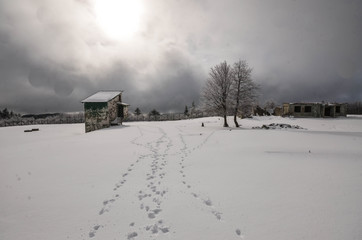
193	108
5	113
154	112
137	111
186	112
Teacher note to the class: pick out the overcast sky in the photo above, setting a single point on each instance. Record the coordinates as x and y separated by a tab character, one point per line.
55	53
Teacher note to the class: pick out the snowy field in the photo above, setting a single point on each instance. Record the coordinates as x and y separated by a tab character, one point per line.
177	180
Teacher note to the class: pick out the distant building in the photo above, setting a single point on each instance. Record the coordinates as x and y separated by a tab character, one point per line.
258	111
316	110
104	109
278	111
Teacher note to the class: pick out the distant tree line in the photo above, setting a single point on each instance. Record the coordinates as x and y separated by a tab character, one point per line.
42	115
6	114
15	119
354	108
154	115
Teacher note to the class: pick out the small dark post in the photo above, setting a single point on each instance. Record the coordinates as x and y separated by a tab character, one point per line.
202	125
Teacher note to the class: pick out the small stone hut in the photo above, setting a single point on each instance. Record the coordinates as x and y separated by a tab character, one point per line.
103	109
316	110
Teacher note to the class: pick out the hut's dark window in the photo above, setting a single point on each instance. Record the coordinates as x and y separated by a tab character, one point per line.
308	109
297	108
338	109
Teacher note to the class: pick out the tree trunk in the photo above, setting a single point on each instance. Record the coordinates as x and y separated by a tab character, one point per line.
237	101
235	119
225	113
225	121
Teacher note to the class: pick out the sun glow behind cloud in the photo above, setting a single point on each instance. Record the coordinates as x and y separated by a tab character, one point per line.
119	19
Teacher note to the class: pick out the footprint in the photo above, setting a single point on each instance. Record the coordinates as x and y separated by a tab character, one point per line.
217	215
101	211
155	229
208	202
132	235
238	232
105	202
157	211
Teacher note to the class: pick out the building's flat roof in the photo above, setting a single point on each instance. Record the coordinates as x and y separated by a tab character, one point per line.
323	103
123	103
102	96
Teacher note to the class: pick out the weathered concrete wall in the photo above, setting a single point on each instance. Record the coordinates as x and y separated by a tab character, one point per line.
125	112
343	110
113	108
285	108
305	110
96	116
278	111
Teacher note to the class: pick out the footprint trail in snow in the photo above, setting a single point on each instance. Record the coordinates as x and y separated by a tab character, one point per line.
147	176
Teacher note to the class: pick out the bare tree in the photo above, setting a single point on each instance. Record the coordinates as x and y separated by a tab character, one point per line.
216	92
269	106
243	89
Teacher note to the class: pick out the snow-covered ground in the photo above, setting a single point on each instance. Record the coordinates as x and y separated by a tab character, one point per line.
177	180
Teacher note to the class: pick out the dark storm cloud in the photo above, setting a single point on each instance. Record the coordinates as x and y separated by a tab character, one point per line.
53	54
172	89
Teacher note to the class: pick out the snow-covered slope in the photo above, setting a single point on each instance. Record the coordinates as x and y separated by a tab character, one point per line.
177	180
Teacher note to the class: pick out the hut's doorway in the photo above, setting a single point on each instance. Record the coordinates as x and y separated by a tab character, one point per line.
327	111
120	111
